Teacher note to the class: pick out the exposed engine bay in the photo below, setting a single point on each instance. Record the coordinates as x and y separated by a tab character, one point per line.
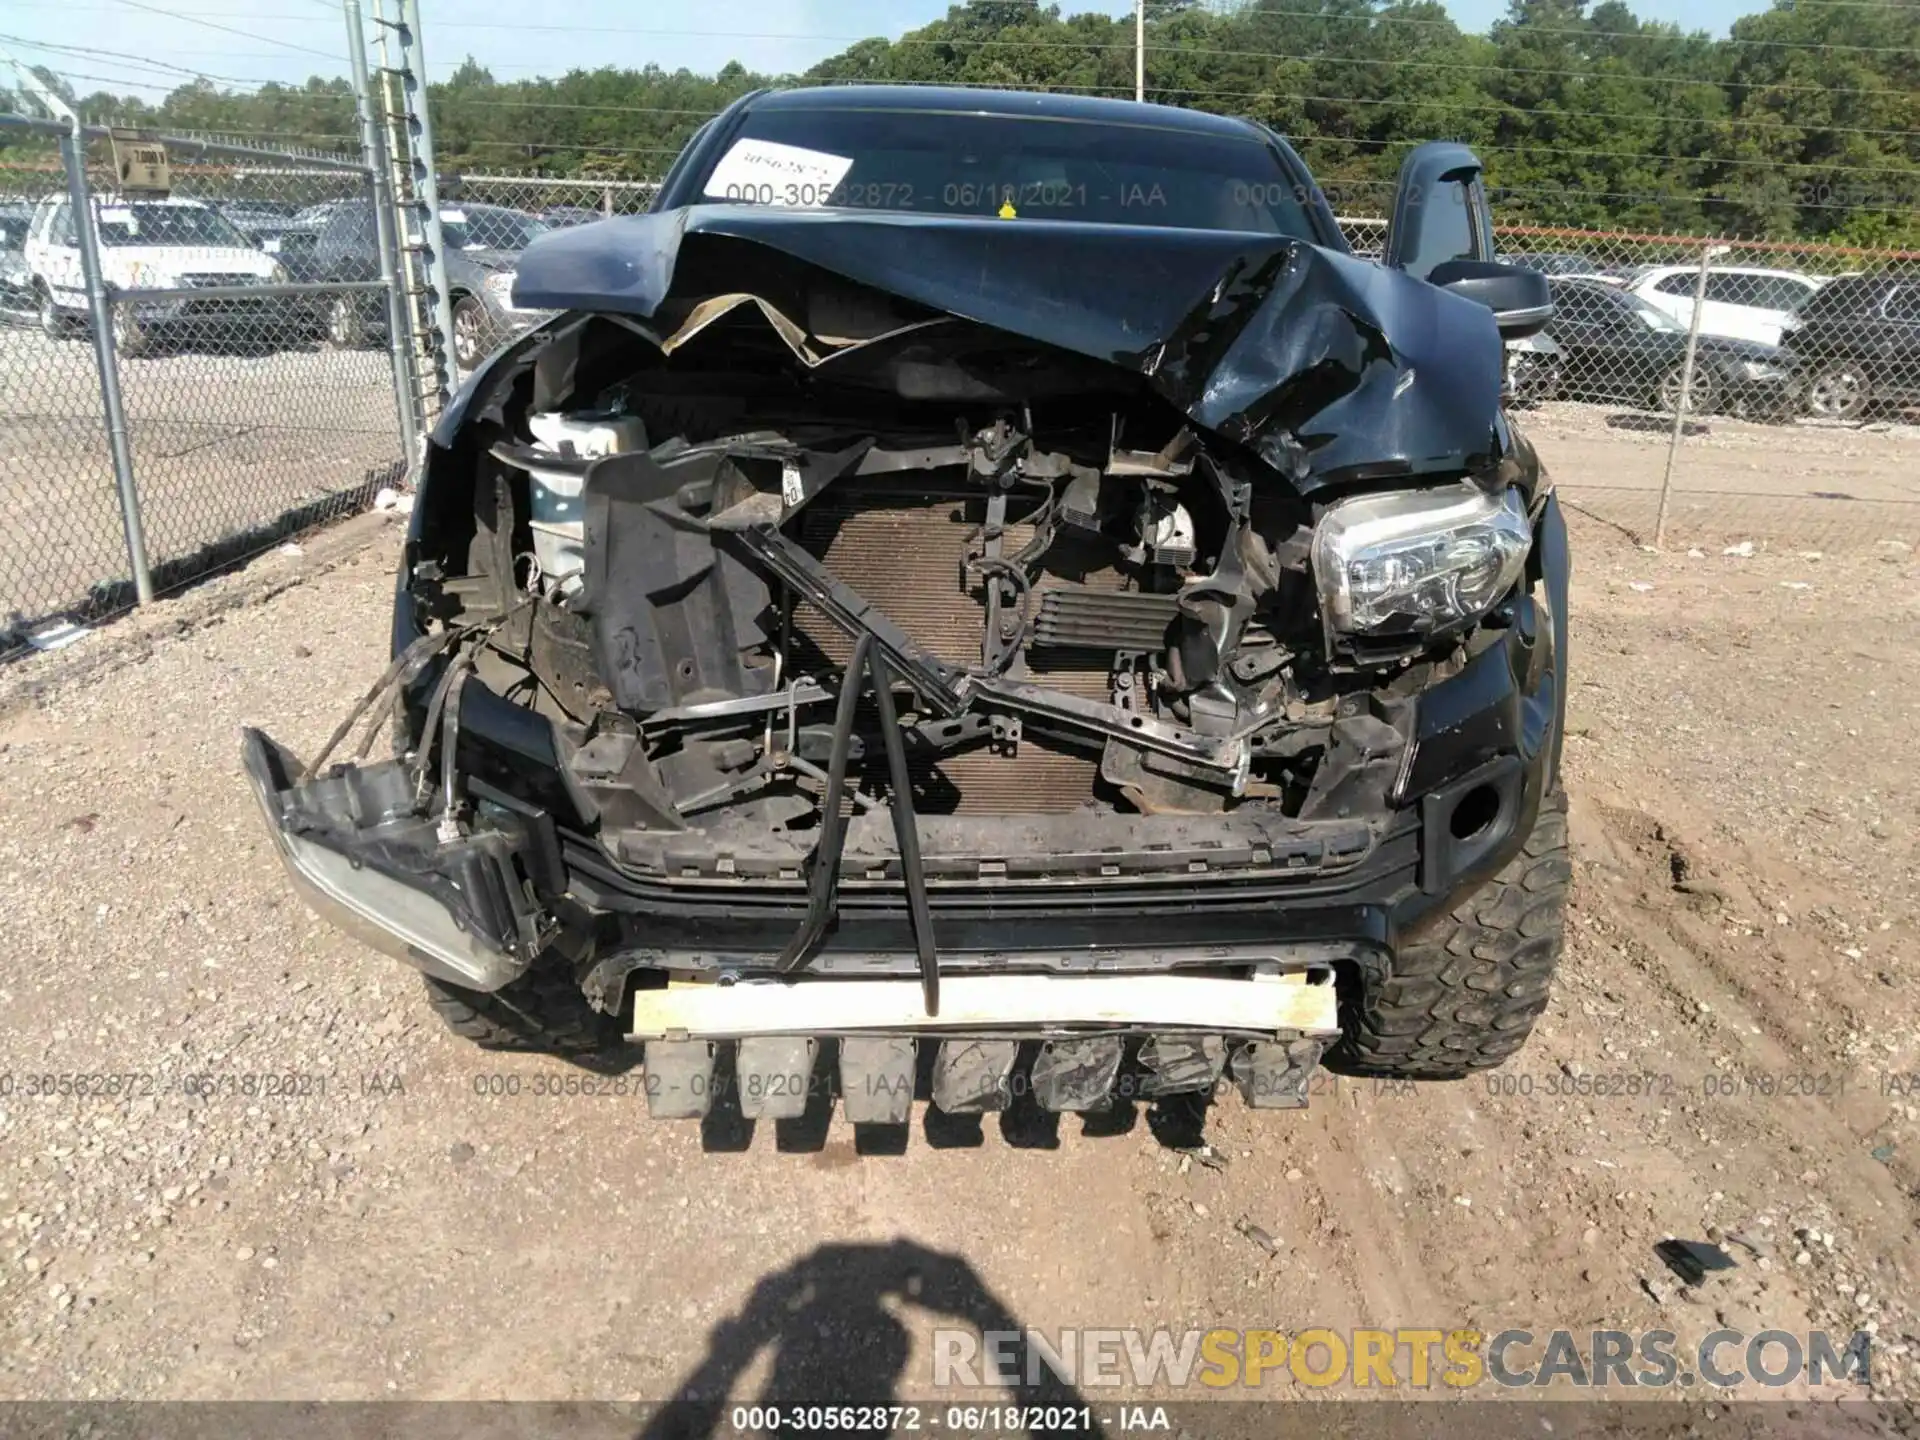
1078	603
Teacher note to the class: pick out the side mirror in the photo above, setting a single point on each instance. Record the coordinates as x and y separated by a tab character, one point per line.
1519	298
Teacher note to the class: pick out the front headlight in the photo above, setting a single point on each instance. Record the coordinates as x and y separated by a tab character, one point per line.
1417	562
277	275
499	288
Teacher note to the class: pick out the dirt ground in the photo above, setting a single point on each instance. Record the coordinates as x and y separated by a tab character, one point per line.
224	441
1745	813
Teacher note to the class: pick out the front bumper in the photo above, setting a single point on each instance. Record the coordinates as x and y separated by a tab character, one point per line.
1197	896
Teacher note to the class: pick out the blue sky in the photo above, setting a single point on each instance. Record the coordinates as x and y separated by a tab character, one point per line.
251	41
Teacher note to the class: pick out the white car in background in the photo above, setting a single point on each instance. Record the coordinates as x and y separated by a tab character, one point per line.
1741	303
152	244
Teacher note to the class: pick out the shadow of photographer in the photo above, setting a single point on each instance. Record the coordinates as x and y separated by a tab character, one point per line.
831	1337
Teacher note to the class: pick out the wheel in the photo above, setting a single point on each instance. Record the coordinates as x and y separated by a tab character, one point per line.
1462	994
1700	393
130	337
1839	391
346	326
469	332
542	1010
53	324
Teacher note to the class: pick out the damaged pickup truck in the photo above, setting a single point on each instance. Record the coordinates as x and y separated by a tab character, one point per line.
976	594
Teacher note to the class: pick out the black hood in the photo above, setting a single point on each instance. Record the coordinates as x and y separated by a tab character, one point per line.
1329	367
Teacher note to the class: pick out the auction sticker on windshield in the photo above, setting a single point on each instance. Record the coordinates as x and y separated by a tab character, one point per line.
765	172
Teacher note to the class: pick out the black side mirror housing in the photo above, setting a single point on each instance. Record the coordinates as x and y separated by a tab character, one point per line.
1519	298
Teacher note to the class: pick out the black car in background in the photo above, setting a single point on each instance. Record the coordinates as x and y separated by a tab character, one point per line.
265	222
1615	346
482	241
1857	341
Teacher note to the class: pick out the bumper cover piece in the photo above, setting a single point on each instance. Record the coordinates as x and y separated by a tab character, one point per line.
876	1079
679	1078
1076	1074
972	1076
775	1073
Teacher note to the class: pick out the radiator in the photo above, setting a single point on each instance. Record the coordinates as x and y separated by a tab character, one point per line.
902	552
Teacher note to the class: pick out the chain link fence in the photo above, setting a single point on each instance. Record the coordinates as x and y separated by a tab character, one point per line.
1800	422
218	413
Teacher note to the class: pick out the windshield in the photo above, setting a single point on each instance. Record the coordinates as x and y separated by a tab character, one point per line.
484	227
152	223
1014	166
1652	316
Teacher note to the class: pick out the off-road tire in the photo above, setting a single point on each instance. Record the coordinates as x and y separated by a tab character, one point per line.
543	1010
1462	993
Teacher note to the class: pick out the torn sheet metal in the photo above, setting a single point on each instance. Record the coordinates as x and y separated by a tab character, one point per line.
1330	368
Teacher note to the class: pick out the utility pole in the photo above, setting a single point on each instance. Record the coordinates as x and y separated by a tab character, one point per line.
1140	50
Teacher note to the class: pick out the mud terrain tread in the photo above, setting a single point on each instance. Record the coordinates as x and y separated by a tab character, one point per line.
541	1011
1463	994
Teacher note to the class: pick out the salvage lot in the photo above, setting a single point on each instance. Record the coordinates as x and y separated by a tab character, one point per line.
415	1220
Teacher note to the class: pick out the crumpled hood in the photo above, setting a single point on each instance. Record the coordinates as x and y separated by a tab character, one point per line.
1329	367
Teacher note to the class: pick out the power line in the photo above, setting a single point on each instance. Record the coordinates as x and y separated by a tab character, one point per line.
229	30
125	58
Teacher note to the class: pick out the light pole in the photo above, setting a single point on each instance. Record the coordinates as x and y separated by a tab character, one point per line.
1140	50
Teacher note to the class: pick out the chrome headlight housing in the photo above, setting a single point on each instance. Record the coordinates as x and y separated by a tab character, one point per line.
499	288
1417	563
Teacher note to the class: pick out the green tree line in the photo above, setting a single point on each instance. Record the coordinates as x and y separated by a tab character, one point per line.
1803	122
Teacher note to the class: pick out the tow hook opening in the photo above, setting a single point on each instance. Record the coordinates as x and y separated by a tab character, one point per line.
1476	813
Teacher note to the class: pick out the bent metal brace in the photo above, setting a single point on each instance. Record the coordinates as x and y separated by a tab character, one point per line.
865	666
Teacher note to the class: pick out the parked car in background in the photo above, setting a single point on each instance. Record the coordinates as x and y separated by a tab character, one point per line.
1741	302
561	217
155	244
1554	264
16	279
1857	343
1533	370
482	242
265	222
1616	346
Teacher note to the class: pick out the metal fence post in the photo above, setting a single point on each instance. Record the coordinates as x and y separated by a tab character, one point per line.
73	154
1708	253
373	146
426	188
